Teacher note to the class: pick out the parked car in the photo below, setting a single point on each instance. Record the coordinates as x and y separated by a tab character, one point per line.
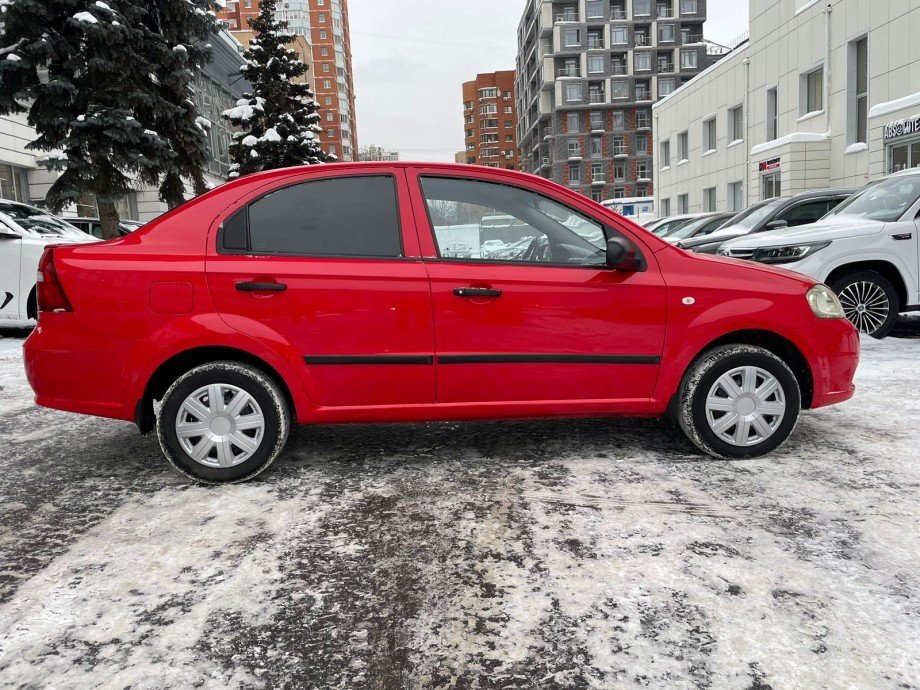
24	233
459	250
668	225
93	226
491	247
700	227
867	250
319	295
772	214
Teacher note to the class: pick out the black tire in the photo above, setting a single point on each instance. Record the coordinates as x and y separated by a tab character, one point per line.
844	286
262	390
703	375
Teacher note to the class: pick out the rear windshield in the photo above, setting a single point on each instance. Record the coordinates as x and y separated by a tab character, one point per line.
885	200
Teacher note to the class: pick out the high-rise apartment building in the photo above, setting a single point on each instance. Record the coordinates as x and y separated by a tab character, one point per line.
589	72
324	23
490	120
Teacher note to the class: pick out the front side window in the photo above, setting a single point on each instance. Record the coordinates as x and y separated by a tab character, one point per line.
803	214
535	228
348	216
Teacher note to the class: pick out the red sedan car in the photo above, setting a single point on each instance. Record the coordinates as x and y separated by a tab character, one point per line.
323	295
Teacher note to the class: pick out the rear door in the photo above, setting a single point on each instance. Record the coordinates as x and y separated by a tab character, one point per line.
546	321
324	265
10	258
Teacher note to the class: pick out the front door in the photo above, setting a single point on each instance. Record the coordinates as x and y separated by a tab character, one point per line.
322	265
542	318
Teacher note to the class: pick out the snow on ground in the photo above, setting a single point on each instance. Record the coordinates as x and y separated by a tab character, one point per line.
559	554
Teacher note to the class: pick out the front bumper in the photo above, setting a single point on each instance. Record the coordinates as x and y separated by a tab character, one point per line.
831	348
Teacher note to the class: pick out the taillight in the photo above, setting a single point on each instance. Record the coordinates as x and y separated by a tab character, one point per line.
50	292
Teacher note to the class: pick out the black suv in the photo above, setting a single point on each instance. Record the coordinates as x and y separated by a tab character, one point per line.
772	214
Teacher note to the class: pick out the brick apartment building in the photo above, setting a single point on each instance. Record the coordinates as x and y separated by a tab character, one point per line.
324	25
490	120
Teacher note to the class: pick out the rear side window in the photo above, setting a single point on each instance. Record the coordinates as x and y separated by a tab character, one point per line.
349	216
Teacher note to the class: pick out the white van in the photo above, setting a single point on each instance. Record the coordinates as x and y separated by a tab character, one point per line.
867	249
25	231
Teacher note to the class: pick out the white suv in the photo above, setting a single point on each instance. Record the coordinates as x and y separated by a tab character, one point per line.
866	249
25	231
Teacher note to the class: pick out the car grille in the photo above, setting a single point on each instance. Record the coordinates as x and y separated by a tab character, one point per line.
737	253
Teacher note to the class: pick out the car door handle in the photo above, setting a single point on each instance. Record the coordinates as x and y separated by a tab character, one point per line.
261	287
902	236
477	292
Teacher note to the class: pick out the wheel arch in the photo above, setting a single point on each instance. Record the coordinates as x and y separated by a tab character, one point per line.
880	266
771	341
185	361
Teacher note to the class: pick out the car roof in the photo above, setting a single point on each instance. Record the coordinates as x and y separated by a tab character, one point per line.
819	193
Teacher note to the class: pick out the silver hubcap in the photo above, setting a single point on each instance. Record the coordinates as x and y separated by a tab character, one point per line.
865	305
745	406
220	425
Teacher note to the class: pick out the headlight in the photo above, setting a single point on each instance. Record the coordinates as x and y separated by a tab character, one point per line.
824	303
788	253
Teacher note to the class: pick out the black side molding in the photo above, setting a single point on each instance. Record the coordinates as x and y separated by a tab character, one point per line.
368	359
547	359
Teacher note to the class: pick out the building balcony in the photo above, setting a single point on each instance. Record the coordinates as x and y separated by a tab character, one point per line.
568	72
643	95
599	180
597	98
567	17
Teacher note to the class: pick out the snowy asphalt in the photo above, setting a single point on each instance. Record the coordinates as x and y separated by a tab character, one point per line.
561	554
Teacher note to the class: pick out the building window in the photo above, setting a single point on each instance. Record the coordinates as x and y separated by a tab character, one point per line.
642	171
619	171
597	172
574	148
642	8
688	7
597	195
683	146
619	35
812	91
619	88
665	209
665	87
573	122
709	135
709	199
595	9
13	184
488	93
689	59
643	118
619	193
595	64
573	93
735	197
619	121
665	154
643	61
736	124
858	92
571	38
772	186
574	174
683	203
641	144
619	145
597	121
666	33
597	147
772	129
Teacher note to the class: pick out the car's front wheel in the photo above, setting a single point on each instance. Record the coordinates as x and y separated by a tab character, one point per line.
222	422
869	301
739	401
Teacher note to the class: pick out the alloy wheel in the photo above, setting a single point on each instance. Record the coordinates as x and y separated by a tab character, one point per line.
866	305
745	406
220	425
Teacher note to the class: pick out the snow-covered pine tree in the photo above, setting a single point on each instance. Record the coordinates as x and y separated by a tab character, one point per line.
88	76
278	121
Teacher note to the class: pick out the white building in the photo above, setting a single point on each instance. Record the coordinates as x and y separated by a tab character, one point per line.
823	94
217	87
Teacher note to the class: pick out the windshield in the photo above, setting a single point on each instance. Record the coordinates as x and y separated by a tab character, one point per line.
38	222
697	227
749	219
885	200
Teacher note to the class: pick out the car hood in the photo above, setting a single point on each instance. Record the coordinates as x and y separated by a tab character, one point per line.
835	228
717	237
750	268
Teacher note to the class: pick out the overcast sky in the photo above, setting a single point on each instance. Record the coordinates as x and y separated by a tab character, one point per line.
410	62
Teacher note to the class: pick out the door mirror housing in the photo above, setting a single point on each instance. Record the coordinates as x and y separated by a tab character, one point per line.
776	225
8	235
621	255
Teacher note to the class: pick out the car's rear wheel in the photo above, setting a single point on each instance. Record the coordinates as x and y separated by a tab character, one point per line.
869	301
739	401
223	422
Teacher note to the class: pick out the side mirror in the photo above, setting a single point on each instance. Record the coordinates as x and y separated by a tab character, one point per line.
8	235
776	225
621	255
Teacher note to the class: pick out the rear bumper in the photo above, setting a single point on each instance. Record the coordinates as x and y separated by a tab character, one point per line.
72	369
832	350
